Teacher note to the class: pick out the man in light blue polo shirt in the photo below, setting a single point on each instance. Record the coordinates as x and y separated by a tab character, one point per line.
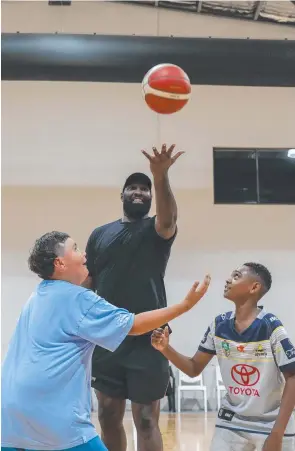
46	397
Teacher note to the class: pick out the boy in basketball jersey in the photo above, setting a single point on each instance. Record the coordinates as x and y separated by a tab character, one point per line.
257	364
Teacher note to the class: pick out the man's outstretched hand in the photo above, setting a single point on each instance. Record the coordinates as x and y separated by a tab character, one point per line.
160	162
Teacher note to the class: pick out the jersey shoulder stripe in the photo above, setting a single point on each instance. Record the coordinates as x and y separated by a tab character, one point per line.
272	322
222	318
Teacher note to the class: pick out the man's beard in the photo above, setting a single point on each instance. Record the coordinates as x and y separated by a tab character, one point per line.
136	210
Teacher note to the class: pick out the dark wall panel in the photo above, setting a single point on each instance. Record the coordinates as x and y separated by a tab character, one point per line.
58	57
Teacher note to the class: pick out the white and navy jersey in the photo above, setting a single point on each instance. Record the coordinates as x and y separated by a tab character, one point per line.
251	365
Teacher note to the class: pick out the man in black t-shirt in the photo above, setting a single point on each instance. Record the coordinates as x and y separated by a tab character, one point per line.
127	260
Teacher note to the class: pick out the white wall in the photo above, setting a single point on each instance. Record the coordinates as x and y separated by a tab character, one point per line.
67	148
96	130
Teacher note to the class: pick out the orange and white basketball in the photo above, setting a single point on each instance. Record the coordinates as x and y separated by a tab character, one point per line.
166	88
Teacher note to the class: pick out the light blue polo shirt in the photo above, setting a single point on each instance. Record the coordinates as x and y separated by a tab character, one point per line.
46	374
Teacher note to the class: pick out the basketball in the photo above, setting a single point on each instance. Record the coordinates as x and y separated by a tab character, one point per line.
166	88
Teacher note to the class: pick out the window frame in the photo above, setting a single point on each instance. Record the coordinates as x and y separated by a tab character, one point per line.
257	151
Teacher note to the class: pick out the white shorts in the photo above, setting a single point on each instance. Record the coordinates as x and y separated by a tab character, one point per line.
228	440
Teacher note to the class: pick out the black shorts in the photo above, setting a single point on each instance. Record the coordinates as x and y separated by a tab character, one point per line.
135	371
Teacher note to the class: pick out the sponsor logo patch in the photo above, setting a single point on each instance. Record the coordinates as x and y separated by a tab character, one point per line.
260	351
226	348
288	348
225	414
241	348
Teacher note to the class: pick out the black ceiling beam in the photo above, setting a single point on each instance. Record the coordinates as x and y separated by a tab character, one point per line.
125	59
59	2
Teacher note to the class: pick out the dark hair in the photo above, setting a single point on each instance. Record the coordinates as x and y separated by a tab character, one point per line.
44	252
263	273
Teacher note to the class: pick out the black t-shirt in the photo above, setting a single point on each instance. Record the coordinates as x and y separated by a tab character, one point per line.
127	262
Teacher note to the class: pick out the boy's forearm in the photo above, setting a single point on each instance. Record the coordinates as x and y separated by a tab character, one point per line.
148	321
286	408
183	363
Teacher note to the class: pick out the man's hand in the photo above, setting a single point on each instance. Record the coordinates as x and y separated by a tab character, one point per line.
160	339
161	162
198	290
274	442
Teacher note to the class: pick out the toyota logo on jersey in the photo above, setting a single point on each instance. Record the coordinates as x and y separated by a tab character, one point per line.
245	375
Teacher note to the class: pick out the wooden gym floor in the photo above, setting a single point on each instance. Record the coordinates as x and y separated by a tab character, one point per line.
181	432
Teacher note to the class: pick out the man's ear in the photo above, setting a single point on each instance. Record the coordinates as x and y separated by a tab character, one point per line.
121	196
